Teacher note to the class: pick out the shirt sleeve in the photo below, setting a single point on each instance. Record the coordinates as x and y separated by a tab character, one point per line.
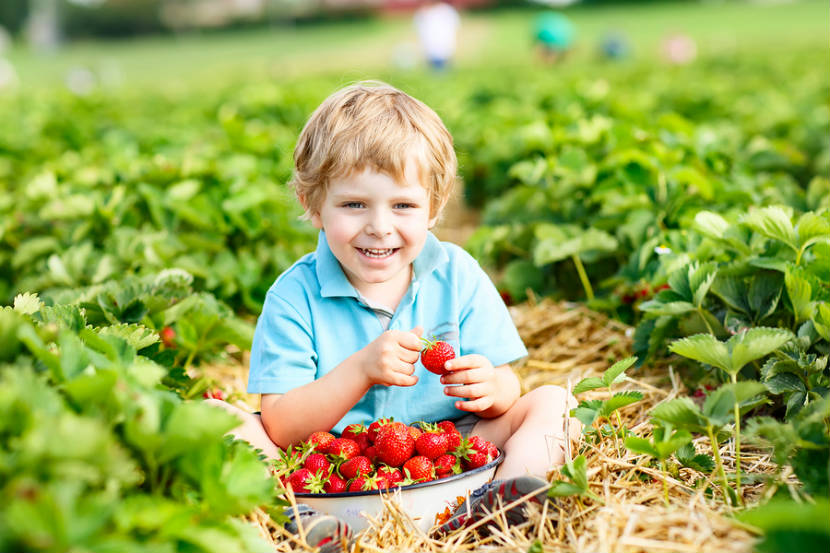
282	354
485	324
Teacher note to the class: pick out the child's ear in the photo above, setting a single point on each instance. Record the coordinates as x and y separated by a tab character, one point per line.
311	214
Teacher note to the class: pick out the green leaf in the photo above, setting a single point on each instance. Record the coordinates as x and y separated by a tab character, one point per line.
668	444
641	445
704	348
700	281
587	411
773	222
800	293
785	382
616	373
688	457
719	404
810	229
821	319
577	471
619	400
561	488
765	291
681	413
711	224
590	383
754	344
671	308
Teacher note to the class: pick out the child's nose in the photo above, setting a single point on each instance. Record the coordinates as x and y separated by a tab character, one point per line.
379	224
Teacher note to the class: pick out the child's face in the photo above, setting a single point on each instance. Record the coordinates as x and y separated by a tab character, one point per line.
375	226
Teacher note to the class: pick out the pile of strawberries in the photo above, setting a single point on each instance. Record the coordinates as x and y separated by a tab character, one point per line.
384	455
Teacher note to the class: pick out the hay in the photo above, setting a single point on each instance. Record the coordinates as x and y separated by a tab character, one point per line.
567	343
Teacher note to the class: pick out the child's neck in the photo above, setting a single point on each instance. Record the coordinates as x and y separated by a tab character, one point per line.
390	293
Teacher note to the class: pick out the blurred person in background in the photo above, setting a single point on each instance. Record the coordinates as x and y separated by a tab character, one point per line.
614	46
437	24
553	35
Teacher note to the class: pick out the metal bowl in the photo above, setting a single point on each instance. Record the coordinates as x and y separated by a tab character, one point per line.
420	501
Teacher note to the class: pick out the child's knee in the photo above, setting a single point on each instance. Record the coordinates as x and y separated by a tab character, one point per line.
553	398
555	402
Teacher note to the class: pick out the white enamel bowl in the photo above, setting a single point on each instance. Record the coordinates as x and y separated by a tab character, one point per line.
420	501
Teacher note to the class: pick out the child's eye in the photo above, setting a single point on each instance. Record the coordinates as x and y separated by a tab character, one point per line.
353	205
404	205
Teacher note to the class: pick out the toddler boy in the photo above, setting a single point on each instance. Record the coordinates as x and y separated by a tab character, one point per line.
339	337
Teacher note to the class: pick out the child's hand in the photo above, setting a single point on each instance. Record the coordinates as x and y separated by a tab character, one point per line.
478	379
390	359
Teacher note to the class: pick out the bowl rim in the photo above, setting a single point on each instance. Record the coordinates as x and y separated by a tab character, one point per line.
492	464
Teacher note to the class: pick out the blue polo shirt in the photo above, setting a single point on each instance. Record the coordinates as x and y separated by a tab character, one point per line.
313	319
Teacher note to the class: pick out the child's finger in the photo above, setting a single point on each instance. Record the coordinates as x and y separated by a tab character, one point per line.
411	340
471	361
418	331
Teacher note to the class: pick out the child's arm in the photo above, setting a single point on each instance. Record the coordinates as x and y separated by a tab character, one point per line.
389	360
490	391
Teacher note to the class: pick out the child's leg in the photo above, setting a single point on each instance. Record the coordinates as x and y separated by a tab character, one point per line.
251	429
521	432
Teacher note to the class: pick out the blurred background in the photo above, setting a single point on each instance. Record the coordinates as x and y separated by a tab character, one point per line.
165	42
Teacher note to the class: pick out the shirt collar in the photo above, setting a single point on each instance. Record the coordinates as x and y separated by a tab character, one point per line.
333	281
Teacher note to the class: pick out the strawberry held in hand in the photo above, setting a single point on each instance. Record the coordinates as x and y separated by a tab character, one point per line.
435	354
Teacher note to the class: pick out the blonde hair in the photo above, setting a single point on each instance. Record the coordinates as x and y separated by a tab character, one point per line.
373	125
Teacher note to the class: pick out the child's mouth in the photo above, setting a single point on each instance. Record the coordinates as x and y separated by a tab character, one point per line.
376	253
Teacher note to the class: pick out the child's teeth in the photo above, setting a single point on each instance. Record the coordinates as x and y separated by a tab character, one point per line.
377	253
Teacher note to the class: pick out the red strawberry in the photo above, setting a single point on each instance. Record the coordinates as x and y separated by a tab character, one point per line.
432	443
414	431
419	469
375	426
317	462
299	480
454	440
446	465
363	441
342	449
395	445
214	394
363	483
479	453
447	426
168	337
371	452
353	431
356	466
389	477
335	484
435	355
320	440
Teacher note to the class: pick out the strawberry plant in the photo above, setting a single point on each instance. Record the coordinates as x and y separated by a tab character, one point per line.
576	483
589	411
717	412
98	450
664	441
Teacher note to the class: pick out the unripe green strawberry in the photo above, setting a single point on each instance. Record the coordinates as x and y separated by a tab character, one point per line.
435	354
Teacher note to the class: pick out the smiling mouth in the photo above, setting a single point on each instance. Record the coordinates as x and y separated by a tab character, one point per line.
377	254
